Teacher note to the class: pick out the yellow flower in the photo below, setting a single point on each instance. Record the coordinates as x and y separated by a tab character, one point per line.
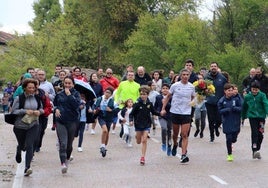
195	83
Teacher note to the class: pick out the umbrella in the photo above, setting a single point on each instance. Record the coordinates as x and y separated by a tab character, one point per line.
85	88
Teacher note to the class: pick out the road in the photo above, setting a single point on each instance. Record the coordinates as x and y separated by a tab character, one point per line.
120	168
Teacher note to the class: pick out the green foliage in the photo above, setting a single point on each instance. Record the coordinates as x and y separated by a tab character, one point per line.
153	33
187	37
46	11
146	45
242	21
236	61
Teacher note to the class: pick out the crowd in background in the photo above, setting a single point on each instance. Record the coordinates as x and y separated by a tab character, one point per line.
139	101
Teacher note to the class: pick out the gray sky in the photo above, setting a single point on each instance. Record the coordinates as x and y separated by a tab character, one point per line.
15	14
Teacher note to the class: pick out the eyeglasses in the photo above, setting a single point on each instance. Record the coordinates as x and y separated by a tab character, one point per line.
109	73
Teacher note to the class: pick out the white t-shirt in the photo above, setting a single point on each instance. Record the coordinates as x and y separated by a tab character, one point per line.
181	98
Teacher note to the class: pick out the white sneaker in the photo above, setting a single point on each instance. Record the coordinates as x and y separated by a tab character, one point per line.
113	131
79	149
92	132
71	158
129	145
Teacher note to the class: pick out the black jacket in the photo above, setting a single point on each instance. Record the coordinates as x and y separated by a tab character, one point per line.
142	80
141	113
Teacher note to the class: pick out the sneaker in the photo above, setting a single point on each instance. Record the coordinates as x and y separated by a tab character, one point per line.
174	150
201	135
71	158
164	147
196	133
37	149
103	151
113	131
230	158
64	168
129	145
28	171
169	150
184	159
79	149
217	133
256	155
92	132
18	155
142	161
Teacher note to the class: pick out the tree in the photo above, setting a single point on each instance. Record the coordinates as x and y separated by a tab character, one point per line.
146	45
236	61
187	37
46	11
242	21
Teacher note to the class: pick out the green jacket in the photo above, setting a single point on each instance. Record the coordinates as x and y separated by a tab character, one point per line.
126	90
255	106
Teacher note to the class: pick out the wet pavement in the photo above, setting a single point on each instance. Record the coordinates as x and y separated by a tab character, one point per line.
120	168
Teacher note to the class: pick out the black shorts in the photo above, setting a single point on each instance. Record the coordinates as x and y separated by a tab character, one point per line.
180	119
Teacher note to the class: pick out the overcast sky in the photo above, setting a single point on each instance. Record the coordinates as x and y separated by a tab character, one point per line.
15	14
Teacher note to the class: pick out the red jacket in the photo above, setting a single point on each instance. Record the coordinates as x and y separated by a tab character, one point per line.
109	82
47	106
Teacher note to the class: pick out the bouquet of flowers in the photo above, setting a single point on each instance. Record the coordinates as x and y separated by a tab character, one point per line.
203	88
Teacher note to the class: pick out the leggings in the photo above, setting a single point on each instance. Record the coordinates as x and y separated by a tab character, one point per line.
66	133
26	139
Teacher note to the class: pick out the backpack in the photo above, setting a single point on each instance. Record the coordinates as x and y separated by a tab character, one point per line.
22	99
11	118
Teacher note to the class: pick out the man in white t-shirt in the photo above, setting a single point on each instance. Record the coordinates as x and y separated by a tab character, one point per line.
182	93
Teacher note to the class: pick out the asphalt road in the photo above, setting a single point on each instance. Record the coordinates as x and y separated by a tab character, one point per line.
120	168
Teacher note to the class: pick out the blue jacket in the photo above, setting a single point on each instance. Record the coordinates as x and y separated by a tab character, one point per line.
68	106
218	81
230	111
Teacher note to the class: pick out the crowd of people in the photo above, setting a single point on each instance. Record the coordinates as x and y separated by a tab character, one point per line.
138	103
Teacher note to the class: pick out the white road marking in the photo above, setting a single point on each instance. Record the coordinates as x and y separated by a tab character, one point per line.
18	179
219	180
155	140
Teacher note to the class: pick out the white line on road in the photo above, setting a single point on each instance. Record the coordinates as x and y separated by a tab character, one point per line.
18	179
155	140
219	180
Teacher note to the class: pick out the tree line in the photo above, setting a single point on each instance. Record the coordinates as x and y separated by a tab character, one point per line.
153	33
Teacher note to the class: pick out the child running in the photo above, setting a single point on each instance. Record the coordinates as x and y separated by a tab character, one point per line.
103	107
255	108
123	116
230	109
164	121
82	123
141	115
